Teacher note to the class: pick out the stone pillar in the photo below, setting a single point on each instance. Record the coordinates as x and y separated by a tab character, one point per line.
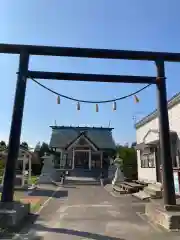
90	160
101	156
73	158
62	160
30	168
23	170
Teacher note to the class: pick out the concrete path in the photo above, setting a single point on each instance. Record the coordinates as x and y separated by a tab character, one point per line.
90	212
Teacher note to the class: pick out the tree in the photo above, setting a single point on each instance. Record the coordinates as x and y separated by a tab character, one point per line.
39	152
2	146
37	147
25	145
2	143
2	156
129	165
133	144
43	149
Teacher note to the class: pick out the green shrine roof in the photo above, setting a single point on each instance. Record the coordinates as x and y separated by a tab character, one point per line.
64	135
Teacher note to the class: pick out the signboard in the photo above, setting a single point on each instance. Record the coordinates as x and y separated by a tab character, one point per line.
176	182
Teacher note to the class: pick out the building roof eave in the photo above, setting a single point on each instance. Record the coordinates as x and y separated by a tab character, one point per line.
78	137
155	143
171	103
99	137
81	128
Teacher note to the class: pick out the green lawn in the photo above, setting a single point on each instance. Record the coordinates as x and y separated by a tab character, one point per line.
33	180
35	201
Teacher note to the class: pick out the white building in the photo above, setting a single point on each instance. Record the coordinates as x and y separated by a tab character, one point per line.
147	138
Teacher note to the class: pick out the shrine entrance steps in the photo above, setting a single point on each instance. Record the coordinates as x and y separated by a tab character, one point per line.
80	176
73	180
88	173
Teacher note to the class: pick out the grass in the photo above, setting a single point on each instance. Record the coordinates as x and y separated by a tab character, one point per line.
33	180
1	177
35	201
35	204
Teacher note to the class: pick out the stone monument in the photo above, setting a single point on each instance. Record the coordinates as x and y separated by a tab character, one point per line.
111	171
48	172
119	176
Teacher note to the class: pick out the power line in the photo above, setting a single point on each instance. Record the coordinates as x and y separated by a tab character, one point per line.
88	101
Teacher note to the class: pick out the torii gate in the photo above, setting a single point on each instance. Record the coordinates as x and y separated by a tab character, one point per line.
25	51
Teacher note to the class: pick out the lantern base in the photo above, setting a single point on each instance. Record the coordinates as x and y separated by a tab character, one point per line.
167	217
13	213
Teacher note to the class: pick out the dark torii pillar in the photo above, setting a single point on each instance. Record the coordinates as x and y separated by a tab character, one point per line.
15	131
164	137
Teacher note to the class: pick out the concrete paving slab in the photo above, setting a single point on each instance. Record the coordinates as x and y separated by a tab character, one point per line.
90	212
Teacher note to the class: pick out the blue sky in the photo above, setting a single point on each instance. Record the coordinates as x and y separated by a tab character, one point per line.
116	24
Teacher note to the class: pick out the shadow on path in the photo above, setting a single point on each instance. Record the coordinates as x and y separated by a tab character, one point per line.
67	186
76	233
49	193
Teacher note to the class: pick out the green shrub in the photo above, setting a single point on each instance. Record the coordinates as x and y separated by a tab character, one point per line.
1	167
129	163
